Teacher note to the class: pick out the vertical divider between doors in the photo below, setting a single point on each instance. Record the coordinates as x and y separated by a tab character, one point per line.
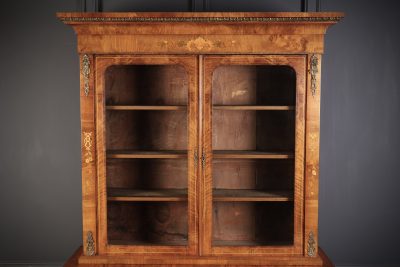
206	162
200	153
193	153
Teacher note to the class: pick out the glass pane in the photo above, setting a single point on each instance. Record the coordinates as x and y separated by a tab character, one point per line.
253	142
148	130
252	223
254	85
147	223
146	85
147	143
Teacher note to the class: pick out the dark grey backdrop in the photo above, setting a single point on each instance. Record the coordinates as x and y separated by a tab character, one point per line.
40	210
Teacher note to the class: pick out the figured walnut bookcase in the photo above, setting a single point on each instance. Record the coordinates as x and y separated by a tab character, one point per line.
200	137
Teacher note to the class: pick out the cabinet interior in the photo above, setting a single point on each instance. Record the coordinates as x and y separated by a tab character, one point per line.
147	223
253	140
147	166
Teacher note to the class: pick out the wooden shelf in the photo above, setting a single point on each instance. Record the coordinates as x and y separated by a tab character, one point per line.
182	154
221	195
247	243
250	154
122	107
120	194
237	195
148	243
239	107
136	154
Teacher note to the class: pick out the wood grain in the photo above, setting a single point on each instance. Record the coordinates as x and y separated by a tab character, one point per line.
186	261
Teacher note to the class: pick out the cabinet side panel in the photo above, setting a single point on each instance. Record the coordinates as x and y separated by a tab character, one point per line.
88	155
312	156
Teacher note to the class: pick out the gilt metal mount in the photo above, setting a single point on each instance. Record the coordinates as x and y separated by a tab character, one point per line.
90	247
195	158
86	73
313	71
311	250
203	160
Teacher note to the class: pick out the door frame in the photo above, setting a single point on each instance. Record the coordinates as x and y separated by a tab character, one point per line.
190	63
298	63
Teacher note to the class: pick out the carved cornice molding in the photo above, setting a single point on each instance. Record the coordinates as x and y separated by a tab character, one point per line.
200	19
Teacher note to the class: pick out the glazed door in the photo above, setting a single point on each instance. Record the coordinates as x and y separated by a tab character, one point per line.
253	153
146	108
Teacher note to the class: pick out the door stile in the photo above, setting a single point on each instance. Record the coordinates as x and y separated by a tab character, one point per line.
101	156
191	65
206	212
200	188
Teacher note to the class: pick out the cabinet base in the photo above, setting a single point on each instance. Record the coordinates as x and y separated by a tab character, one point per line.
78	260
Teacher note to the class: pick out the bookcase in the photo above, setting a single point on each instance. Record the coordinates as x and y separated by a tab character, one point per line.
200	138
